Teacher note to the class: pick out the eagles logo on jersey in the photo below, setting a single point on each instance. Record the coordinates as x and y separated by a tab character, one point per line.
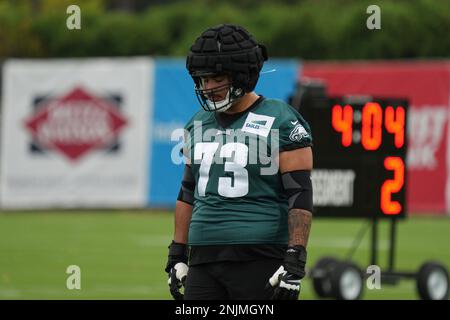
298	133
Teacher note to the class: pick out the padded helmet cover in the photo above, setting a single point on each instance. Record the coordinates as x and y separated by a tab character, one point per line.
228	49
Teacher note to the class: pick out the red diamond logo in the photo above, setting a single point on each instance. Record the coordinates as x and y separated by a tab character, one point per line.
76	123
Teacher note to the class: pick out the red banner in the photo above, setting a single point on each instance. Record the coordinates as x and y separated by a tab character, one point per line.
427	86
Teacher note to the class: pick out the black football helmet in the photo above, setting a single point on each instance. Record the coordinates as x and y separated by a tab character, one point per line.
225	49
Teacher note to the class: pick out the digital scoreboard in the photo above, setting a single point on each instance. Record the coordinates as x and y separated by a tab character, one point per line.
359	147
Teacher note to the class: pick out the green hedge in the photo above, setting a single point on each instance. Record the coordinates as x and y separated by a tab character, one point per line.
322	29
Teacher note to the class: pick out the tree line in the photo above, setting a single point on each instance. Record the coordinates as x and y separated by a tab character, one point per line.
321	29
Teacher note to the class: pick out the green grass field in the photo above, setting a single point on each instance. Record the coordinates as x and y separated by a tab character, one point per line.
122	254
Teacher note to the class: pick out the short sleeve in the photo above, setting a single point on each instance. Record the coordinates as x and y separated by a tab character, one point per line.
294	131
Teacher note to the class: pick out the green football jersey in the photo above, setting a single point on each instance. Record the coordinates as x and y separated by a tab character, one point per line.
239	196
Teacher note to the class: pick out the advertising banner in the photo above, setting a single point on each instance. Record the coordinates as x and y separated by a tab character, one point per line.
74	132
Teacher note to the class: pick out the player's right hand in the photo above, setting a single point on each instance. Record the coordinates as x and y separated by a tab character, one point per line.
177	268
177	279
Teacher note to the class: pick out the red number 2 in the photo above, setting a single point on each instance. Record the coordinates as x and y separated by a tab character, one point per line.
393	185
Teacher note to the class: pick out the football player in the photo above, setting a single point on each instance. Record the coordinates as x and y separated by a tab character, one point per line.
241	231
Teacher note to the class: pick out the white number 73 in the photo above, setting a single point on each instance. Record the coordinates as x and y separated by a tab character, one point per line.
205	151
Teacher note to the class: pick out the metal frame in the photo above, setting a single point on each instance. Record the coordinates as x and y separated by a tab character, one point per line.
390	276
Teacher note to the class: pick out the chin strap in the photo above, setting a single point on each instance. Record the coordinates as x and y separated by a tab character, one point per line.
220	106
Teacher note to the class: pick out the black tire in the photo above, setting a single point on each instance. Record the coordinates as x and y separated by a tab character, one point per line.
347	282
321	276
433	281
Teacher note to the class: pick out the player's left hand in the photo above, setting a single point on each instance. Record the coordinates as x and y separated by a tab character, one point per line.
286	285
286	281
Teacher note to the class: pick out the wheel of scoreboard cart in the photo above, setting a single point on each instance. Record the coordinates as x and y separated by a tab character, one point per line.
346	281
433	281
321	276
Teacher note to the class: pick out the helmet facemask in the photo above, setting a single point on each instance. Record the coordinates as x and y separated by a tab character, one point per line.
208	103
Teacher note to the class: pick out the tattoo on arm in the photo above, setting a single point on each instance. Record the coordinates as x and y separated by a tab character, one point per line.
299	222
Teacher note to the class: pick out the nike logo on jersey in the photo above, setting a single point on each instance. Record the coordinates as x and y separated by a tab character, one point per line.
294	122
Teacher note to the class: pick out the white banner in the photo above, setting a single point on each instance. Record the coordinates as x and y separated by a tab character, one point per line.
75	133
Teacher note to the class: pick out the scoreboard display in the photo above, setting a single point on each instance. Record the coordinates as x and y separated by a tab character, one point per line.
359	146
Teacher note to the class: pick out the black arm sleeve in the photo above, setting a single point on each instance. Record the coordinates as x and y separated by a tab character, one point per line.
298	187
186	193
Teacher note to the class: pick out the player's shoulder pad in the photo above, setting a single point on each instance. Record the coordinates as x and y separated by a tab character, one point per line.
284	114
294	130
